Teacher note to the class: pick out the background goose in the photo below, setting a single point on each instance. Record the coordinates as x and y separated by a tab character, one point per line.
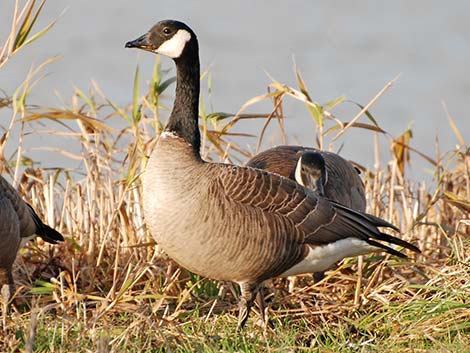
326	173
18	224
236	223
342	183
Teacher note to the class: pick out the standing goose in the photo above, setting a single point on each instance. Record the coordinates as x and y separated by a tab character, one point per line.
18	224
235	223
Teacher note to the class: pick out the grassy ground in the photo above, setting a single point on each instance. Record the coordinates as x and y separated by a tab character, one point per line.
107	288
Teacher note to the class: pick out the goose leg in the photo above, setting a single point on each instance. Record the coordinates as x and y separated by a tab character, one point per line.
7	285
261	305
262	308
318	276
248	292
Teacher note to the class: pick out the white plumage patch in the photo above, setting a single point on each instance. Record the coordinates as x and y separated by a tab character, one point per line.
168	134
174	47
24	240
321	258
298	172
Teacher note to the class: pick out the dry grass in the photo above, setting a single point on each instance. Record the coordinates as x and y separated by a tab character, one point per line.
107	288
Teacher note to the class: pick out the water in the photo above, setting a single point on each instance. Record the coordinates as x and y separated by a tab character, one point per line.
342	48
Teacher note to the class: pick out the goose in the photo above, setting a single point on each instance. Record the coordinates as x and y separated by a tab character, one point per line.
234	223
325	173
310	172
341	180
19	223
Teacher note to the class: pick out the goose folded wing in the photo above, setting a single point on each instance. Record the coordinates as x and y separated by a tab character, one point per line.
314	220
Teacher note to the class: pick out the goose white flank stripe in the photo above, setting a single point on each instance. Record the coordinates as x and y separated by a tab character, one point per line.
320	258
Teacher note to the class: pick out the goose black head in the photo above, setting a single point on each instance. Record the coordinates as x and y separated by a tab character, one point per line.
170	38
311	171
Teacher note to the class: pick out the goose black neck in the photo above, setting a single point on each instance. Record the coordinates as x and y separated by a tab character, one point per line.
184	116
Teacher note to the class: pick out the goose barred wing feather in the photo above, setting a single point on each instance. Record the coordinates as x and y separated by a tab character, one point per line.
303	217
261	204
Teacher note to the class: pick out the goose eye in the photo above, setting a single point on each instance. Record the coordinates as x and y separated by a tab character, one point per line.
166	30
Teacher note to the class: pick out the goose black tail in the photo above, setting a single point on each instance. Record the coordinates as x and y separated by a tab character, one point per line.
47	233
397	241
51	235
366	223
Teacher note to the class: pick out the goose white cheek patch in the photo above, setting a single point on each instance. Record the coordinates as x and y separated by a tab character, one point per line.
298	172
174	46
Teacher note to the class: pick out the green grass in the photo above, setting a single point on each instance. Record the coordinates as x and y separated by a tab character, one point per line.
107	288
375	328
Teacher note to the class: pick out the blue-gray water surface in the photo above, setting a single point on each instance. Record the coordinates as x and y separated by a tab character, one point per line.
350	48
